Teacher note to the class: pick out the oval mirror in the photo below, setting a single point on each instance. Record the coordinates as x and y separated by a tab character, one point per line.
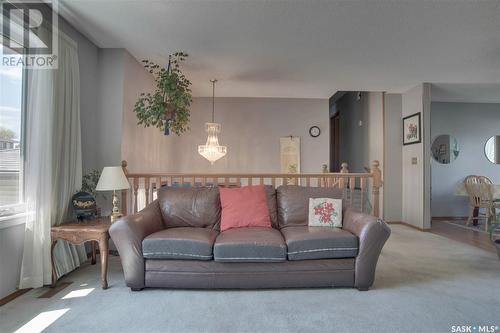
445	149
492	149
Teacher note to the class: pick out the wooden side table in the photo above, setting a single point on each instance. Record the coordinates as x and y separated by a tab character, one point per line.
80	232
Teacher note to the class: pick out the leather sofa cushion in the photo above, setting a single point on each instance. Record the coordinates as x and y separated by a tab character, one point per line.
180	243
271	204
293	202
252	244
305	243
190	207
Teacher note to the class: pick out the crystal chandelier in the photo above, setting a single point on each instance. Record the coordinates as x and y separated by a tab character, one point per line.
212	151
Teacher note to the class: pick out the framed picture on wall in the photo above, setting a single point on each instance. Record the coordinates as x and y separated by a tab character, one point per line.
290	156
411	129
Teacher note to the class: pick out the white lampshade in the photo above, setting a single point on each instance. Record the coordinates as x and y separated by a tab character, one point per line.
112	179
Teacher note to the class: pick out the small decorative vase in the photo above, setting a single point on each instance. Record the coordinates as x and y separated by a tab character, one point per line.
84	206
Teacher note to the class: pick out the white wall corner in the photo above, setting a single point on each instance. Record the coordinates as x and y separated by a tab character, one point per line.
416	177
426	141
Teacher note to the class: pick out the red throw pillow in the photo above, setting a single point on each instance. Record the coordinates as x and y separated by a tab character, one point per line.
244	207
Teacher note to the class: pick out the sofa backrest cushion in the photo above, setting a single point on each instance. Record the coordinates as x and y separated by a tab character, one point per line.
271	204
190	207
293	202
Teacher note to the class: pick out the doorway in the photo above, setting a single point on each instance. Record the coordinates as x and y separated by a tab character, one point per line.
335	143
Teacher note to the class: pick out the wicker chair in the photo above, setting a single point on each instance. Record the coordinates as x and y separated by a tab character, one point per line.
480	194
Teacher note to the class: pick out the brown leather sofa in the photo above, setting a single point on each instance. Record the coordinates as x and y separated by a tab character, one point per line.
175	243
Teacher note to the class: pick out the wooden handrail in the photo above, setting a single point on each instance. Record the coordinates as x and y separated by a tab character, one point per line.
344	180
246	175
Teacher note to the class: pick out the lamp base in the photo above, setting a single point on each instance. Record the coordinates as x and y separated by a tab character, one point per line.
115	214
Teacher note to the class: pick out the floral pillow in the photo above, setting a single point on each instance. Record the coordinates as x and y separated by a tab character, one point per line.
325	212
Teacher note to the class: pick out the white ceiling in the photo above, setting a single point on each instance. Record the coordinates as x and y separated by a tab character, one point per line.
465	93
303	48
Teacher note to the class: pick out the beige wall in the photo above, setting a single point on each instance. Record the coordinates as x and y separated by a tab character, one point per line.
107	126
251	128
393	158
139	144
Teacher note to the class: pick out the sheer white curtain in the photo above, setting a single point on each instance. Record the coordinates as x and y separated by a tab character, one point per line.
53	165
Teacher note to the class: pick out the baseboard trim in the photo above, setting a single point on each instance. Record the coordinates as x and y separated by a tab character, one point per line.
13	296
52	291
449	218
409	225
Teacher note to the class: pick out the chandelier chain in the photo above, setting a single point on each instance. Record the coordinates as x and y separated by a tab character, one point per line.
213	99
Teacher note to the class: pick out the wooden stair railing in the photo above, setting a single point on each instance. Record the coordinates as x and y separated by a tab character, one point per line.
148	183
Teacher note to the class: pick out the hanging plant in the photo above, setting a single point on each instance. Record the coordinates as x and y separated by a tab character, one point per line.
167	108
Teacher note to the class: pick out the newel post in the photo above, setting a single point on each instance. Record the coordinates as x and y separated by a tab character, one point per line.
344	168
124	192
325	180
377	184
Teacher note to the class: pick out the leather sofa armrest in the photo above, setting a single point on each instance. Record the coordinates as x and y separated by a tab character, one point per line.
128	233
372	233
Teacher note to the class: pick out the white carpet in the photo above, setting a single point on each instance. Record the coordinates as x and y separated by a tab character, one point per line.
424	283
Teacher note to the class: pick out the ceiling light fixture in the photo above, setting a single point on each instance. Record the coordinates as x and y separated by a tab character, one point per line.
212	151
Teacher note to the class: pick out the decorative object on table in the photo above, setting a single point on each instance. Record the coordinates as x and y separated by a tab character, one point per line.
167	108
412	129
325	212
445	149
84	205
113	179
290	156
314	131
492	149
211	150
81	201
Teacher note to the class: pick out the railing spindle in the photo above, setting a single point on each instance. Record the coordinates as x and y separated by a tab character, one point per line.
363	189
146	187
124	193
136	190
352	188
377	184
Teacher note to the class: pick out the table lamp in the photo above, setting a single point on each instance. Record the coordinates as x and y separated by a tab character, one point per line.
113	179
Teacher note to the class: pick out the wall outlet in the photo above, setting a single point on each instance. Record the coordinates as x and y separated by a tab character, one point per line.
414	160
360	123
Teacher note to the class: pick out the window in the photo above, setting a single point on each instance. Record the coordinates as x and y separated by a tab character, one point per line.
11	134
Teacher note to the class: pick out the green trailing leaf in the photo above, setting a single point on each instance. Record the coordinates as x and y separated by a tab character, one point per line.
89	182
168	106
